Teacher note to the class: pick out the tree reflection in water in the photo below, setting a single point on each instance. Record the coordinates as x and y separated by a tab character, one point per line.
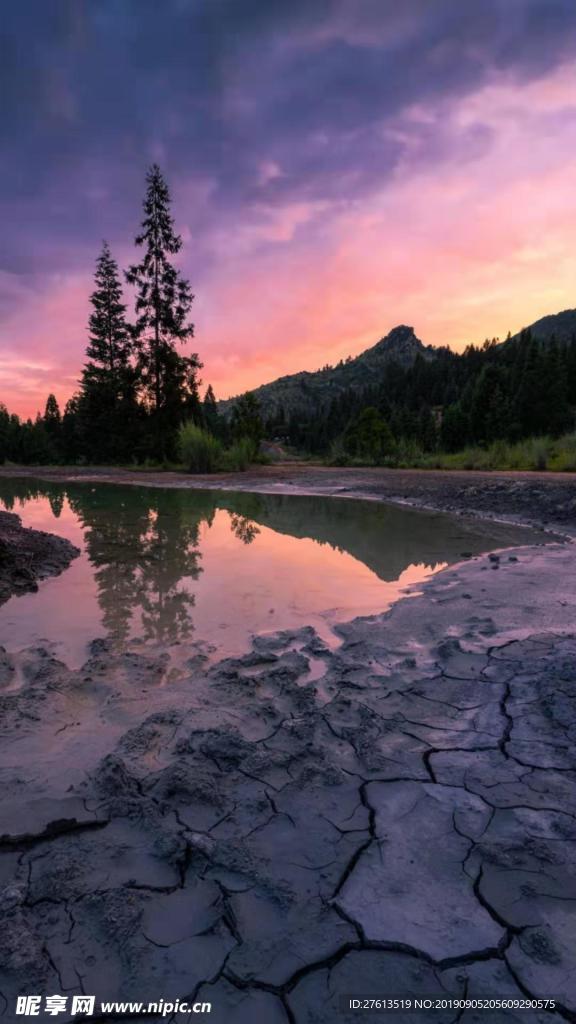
243	528
143	551
144	543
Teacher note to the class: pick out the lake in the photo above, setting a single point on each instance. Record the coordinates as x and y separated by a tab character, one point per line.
209	569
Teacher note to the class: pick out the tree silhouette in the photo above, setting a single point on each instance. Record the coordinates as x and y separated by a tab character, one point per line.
210	411
52	418
246	418
163	303
107	402
52	425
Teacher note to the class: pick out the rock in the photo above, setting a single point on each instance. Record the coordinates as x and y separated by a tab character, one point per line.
27	556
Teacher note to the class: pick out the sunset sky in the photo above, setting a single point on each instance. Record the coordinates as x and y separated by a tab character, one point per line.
337	167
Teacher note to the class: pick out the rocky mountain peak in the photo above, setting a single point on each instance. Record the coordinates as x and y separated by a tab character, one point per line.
304	392
400	345
399	336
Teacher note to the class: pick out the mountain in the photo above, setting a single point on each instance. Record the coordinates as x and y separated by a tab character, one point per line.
561	326
303	392
306	392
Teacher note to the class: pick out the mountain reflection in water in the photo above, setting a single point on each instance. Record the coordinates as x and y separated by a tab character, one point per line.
172	565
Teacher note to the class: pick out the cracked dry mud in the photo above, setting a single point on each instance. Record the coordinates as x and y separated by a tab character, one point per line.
395	816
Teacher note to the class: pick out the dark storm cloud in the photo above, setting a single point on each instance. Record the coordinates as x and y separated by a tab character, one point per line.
217	90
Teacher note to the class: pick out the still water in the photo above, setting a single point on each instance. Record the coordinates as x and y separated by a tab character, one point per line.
211	568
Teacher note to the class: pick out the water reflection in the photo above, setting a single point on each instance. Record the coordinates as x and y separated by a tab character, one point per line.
141	553
168	565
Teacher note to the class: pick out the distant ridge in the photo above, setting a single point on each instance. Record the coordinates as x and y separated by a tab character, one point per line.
304	391
561	326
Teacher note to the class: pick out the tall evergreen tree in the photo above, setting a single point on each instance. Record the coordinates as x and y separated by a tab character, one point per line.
110	346
4	433
52	418
107	405
246	418
52	425
163	303
210	411
72	446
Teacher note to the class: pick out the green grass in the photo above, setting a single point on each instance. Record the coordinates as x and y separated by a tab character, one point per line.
201	452
554	454
533	454
240	456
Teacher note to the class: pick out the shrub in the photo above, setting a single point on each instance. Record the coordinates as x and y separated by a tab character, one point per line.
337	456
538	453
408	452
564	457
200	451
240	455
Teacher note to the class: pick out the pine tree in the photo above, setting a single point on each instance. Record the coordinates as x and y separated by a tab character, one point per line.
246	418
110	346
210	411
52	425
108	409
72	445
455	427
163	303
52	418
427	432
5	452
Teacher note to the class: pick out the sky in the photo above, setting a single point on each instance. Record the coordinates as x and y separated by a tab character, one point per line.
337	167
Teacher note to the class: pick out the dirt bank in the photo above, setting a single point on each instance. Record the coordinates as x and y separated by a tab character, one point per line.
540	499
27	556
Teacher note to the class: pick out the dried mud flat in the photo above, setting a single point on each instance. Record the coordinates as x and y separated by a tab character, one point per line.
396	816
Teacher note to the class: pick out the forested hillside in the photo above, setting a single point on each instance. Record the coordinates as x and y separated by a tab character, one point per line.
391	404
305	393
522	387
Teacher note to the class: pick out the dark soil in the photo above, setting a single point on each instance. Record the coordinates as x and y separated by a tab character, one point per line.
27	556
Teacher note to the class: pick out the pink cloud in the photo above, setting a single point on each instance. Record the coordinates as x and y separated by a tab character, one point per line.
474	246
43	345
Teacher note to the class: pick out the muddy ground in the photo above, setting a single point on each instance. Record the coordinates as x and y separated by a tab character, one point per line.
395	817
27	556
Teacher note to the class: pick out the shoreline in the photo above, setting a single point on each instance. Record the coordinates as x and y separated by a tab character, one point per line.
276	830
545	501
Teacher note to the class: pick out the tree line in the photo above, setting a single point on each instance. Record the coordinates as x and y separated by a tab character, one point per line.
138	396
511	391
136	387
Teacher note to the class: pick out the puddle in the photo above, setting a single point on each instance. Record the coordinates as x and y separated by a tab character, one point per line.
212	568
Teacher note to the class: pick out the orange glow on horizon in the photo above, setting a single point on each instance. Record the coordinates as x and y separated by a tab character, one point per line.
468	248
